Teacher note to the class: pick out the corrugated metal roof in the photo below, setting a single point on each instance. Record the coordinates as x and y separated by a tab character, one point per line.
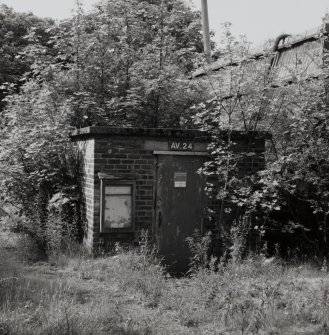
300	55
303	60
233	79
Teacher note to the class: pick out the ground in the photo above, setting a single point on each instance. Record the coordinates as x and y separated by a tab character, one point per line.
129	293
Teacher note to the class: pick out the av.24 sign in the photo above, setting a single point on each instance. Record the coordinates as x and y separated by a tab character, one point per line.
180	145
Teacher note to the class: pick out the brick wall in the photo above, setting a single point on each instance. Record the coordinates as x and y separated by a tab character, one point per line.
127	158
86	149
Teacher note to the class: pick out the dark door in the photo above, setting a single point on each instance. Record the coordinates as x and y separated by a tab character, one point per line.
180	207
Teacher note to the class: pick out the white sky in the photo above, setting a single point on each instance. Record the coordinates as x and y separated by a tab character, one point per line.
257	19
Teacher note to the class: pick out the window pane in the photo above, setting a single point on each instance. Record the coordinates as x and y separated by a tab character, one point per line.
118	189
117	211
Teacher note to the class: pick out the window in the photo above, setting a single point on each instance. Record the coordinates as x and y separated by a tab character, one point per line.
117	205
118	201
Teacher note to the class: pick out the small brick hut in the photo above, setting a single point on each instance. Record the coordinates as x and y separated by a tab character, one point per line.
146	179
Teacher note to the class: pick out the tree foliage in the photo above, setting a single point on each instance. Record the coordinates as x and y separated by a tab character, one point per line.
36	160
288	201
14	29
133	61
125	63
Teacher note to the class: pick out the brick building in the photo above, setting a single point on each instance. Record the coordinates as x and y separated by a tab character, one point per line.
135	179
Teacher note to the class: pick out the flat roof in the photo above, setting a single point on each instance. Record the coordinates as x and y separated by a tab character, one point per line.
104	131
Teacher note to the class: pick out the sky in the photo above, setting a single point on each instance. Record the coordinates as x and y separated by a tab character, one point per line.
257	19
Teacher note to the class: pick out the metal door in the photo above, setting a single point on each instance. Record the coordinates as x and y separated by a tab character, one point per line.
180	207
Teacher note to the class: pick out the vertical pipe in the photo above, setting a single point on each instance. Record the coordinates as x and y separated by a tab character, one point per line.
205	30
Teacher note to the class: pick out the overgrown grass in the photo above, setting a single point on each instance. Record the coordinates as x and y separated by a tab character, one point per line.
130	293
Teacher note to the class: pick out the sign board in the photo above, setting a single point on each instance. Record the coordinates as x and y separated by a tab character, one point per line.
180	145
180	179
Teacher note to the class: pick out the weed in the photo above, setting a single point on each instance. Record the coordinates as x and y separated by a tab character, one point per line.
239	233
199	247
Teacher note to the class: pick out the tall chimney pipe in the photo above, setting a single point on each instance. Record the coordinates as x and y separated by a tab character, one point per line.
205	30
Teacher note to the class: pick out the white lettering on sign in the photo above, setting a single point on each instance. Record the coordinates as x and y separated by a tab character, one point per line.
181	145
180	179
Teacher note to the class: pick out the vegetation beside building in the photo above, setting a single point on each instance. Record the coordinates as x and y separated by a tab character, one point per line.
130	63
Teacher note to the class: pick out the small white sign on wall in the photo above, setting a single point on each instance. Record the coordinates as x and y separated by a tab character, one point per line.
180	179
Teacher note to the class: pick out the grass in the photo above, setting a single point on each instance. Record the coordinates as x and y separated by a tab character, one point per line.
130	293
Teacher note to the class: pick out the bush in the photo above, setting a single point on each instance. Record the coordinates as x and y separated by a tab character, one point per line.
38	165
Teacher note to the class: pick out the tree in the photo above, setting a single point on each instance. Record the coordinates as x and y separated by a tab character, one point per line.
37	160
124	64
249	94
130	61
14	27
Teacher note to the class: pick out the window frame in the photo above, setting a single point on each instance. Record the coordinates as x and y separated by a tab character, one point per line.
116	182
